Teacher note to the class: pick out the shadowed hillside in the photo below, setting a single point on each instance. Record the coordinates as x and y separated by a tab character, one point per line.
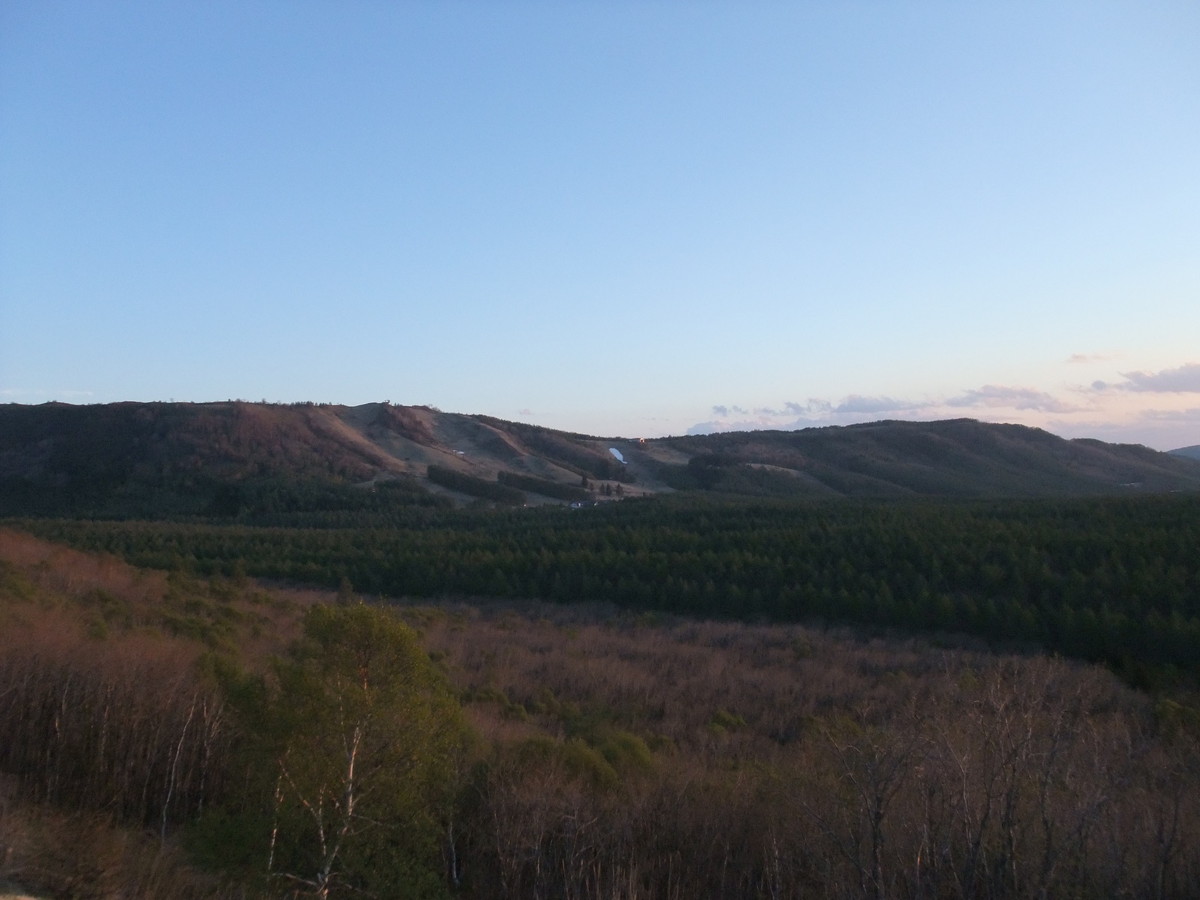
960	457
1188	452
232	459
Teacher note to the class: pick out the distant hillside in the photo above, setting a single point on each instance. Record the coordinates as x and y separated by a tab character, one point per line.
238	459
959	457
1192	452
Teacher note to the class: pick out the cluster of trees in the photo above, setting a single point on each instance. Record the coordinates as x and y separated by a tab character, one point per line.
474	486
304	501
722	473
1108	579
555	489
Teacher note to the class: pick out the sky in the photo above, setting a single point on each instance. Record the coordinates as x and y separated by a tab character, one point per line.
617	218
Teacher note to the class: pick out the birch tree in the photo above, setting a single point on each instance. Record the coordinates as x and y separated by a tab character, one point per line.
361	736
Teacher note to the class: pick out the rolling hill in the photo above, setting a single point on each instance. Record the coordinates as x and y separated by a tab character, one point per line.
222	459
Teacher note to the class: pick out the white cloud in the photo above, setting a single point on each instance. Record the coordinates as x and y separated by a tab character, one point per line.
878	405
993	396
1183	380
813	407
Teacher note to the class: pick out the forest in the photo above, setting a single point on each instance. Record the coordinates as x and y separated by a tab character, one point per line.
170	734
308	693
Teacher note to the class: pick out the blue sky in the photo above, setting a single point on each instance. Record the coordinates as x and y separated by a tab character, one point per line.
616	218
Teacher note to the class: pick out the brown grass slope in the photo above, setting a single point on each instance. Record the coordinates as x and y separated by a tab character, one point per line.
143	458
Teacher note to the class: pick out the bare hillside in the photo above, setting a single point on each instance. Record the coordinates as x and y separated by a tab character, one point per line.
150	459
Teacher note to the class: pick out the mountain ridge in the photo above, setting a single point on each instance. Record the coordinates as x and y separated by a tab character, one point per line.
135	458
